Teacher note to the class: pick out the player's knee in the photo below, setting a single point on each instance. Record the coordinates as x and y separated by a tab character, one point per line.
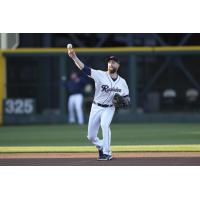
104	126
91	138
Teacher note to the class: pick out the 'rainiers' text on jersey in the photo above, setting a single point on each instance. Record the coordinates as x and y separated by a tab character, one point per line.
106	87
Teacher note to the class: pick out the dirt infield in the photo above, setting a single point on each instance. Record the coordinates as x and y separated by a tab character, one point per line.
89	159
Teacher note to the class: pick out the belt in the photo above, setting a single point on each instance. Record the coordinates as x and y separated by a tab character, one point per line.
102	105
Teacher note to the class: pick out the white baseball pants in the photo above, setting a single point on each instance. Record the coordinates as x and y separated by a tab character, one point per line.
75	103
101	116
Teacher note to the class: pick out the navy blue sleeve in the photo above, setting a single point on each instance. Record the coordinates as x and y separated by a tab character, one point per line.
87	70
64	84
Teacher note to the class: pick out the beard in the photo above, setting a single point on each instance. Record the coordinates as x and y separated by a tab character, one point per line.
112	70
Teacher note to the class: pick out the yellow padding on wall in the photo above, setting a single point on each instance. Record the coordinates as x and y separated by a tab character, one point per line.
105	49
2	85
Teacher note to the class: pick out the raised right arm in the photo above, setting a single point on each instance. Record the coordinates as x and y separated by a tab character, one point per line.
76	60
79	64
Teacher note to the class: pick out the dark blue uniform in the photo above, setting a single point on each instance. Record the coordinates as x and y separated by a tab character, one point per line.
75	87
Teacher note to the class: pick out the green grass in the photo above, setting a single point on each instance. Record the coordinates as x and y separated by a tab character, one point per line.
134	137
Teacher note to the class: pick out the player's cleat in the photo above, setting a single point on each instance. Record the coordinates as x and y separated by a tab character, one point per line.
100	152
105	157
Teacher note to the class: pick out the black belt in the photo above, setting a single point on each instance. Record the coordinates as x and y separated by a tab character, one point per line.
102	105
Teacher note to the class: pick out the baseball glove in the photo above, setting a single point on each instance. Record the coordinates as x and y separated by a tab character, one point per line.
120	102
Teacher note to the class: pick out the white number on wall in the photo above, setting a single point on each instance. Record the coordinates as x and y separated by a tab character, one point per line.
19	106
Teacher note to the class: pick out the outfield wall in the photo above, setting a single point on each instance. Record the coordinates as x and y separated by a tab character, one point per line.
29	74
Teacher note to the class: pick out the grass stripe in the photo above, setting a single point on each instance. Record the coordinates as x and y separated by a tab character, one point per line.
131	148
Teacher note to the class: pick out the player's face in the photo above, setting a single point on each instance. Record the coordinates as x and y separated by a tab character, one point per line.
73	76
113	66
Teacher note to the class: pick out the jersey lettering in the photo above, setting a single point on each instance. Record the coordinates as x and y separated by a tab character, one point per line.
105	88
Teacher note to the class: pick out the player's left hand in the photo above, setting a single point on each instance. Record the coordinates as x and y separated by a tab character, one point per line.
121	102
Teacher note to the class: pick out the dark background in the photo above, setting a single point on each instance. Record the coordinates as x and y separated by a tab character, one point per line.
108	39
38	76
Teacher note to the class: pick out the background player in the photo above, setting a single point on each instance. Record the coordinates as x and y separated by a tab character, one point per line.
74	87
107	83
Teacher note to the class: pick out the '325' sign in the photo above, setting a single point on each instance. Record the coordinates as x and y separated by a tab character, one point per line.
19	106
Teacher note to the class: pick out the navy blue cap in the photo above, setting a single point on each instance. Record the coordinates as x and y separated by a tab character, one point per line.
113	58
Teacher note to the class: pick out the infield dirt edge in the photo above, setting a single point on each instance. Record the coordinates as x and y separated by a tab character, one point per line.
94	155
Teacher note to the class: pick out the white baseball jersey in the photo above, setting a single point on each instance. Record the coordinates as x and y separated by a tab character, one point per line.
106	87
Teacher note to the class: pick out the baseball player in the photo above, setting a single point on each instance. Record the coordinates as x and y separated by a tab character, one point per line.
74	88
108	85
